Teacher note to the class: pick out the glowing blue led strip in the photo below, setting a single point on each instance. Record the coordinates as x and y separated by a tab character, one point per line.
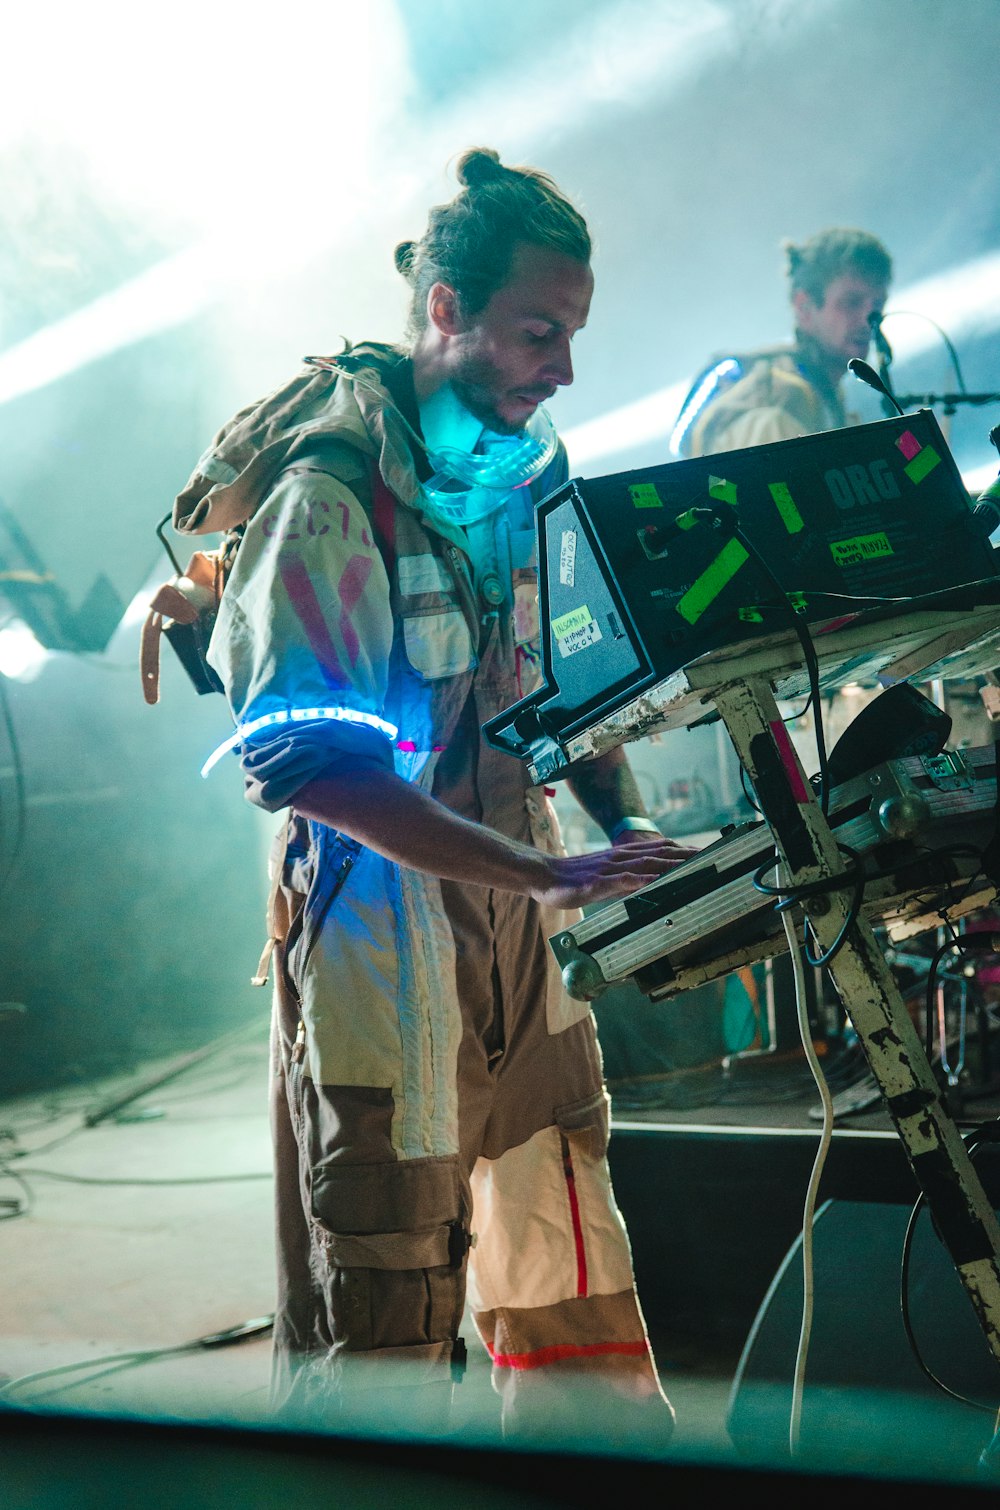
698	401
297	716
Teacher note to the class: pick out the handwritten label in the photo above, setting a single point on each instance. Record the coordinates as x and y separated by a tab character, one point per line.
862	548
579	639
567	558
575	619
645	496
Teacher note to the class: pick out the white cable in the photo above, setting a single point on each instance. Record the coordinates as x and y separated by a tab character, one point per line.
809	1210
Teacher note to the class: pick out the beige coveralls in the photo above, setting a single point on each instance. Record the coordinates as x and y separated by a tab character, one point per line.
439	1114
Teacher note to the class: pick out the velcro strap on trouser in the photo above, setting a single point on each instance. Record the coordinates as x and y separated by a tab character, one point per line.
389	1250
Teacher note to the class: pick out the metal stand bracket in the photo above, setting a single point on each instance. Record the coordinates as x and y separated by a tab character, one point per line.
964	1219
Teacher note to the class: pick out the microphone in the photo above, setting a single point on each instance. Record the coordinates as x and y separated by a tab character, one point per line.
884	350
986	510
878	336
868	375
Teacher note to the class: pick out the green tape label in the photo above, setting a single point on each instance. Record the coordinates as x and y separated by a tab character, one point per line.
722	491
713	579
751	614
785	504
862	548
645	496
575	619
925	461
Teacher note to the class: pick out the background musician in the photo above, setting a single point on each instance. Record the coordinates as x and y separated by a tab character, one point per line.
838	283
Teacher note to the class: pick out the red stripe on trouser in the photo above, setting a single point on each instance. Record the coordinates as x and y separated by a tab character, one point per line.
554	1354
574	1211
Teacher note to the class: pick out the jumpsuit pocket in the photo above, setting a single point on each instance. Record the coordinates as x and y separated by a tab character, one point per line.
402	1215
438	643
586	1125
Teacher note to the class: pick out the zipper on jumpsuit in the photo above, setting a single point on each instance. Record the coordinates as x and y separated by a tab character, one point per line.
484	621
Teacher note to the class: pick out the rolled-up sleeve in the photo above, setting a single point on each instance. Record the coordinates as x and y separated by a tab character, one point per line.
305	624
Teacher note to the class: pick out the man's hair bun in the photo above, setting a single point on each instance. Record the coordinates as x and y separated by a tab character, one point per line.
403	257
470	242
480	165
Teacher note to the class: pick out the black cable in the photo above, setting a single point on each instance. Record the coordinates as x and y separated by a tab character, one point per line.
747	792
853	913
931	986
919	315
805	639
84	1179
9	1209
257	1326
793	718
794	896
985	1133
20	791
854	874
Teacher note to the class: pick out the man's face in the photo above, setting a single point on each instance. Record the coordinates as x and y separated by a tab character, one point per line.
513	354
840	323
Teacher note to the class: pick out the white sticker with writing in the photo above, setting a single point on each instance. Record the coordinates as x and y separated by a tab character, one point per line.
567	558
579	639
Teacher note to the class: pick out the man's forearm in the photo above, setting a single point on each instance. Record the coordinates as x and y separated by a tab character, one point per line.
410	827
607	790
407	825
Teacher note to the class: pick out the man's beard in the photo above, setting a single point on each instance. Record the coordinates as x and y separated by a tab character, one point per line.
473	387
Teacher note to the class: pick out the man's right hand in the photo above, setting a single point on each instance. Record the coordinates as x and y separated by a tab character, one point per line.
577	880
407	825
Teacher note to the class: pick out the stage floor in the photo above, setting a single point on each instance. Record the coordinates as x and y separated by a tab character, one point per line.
136	1231
137	1228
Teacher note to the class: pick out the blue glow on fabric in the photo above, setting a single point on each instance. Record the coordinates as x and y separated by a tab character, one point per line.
697	401
297	716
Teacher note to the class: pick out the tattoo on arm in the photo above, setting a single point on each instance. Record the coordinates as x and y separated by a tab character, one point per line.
606	789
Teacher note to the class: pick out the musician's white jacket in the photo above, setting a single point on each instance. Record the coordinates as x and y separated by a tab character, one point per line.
439	1110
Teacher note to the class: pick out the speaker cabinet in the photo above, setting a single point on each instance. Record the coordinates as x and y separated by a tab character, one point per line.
865	1393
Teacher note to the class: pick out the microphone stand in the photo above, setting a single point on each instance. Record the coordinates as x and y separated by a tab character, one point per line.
949	401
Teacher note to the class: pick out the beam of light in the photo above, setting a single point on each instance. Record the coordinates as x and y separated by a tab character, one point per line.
209	112
254	193
165	296
614	61
963	300
22	656
646	419
978	479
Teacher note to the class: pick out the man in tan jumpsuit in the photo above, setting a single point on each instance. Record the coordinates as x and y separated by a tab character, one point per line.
838	281
439	1113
